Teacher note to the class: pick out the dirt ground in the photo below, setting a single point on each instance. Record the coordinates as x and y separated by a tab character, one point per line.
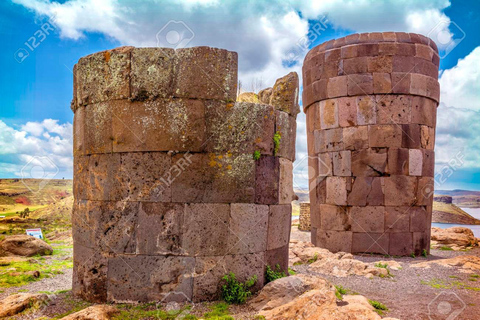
415	293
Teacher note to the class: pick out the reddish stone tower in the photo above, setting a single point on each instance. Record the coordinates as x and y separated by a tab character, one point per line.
176	183
371	103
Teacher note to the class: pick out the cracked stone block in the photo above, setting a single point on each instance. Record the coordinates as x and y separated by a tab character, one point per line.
366	191
150	278
215	70
369	162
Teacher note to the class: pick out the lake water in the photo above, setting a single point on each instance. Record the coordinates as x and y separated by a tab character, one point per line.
474	212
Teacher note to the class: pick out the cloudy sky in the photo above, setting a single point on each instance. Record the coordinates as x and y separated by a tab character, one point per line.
271	37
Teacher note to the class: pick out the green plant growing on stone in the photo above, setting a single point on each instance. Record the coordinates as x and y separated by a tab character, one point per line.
424	253
276	142
256	155
413	255
313	259
235	292
381	265
274	274
291	272
340	291
379	307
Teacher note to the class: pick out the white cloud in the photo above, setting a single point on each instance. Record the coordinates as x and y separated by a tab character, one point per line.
34	140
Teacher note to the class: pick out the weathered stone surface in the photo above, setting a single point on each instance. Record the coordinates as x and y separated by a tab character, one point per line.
334	218
103	76
336	191
355	138
265	95
401	244
79	132
286	127
98	135
279	219
394	109
384	136
278	257
368	242
16	303
466	263
366	191
285	94
398	161
369	162
457	238
215	73
149	278
248	97
342	163
367	219
152	73
397	219
400	190
248	224
366	110
97	312
159	125
335	241
24	245
89	274
100	176
347	112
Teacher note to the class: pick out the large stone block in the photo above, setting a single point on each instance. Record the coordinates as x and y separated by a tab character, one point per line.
355	138
150	278
221	178
206	73
210	270
400	190
102	171
286	193
98	128
427	137
242	127
369	242
267	184
419	219
347	112
415	162
366	191
334	241
285	94
333	217
382	83
367	219
401	244
360	84
385	136
159	228
103	76
279	221
89	280
424	111
394	109
332	140
398	161
366	110
336	190
248	228
159	125
342	163
206	229
148	176
337	86
80	177
286	127
79	132
397	219
278	257
152	73
411	137
329	113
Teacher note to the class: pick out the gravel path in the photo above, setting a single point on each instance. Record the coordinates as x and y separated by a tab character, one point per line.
410	294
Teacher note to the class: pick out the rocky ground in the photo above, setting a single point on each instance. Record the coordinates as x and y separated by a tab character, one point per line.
337	286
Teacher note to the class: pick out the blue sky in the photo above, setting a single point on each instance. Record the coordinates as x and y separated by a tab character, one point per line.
35	95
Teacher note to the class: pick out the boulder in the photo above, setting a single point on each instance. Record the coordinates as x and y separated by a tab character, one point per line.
265	95
24	245
321	305
285	92
456	238
98	312
248	97
467	263
19	302
284	290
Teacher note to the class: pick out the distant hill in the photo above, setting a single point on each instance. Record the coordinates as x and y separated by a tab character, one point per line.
462	198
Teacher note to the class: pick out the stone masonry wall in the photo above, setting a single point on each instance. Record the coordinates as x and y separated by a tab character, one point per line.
371	103
175	183
304	219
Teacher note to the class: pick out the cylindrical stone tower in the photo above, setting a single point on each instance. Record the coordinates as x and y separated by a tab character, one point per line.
175	183
371	101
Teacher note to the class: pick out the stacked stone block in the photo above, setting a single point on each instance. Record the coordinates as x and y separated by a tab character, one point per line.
175	183
371	101
304	223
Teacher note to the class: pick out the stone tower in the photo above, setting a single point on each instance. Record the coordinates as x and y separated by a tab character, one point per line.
176	183
371	101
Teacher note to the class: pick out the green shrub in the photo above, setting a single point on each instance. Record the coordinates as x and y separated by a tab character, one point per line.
381	265
291	272
272	275
379	307
424	253
234	291
256	155
276	142
340	291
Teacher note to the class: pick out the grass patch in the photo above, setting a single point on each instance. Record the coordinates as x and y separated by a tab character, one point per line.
274	274
441	284
445	248
340	291
291	272
313	259
219	311
380	308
